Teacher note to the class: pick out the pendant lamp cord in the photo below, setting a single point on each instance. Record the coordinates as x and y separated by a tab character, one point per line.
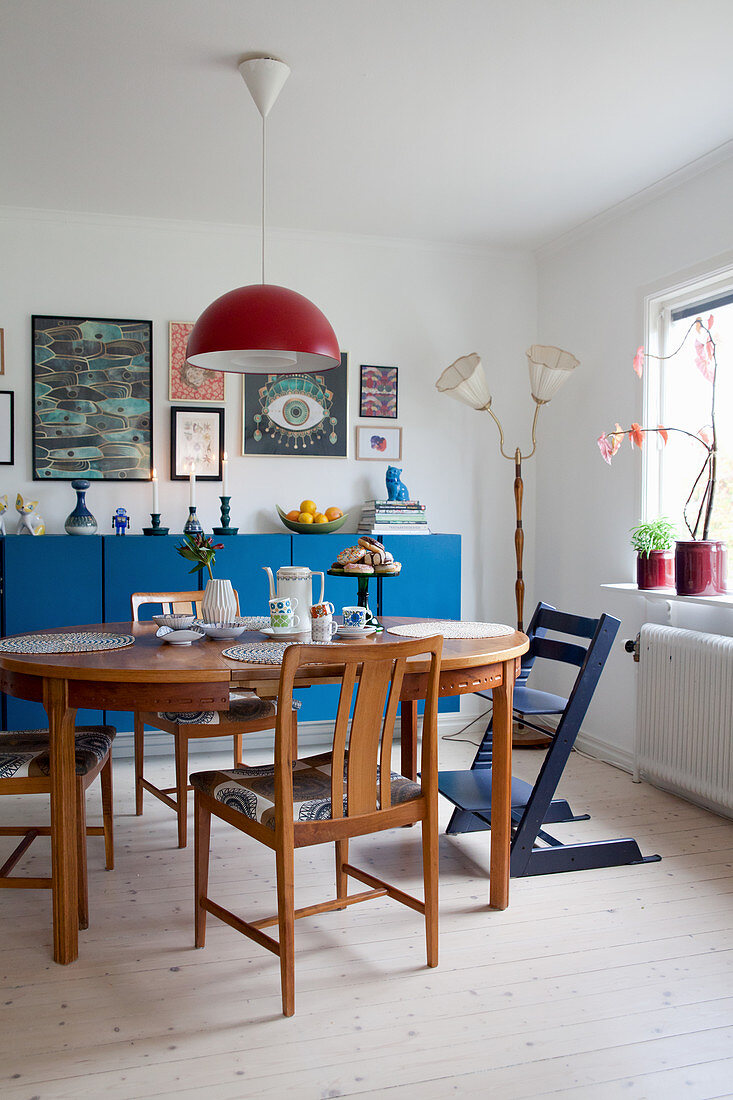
264	154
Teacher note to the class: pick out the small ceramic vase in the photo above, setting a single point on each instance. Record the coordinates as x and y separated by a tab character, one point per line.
80	521
219	604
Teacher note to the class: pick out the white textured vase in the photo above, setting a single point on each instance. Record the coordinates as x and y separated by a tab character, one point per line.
218	604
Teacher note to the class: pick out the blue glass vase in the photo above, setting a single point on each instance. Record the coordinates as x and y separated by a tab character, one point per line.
80	521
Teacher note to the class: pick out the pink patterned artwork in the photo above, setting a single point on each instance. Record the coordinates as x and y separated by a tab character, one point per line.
190	383
378	392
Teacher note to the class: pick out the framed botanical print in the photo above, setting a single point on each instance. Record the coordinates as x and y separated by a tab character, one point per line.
378	392
296	414
92	398
187	383
379	444
197	443
7	428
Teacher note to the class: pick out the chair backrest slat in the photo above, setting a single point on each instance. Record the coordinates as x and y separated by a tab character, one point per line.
365	736
553	650
340	738
564	623
390	717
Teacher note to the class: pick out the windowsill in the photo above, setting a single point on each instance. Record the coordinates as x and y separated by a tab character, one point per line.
663	595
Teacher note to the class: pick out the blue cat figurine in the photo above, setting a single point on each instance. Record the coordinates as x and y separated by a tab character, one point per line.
395	488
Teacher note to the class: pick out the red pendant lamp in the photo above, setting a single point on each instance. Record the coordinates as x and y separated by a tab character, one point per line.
263	328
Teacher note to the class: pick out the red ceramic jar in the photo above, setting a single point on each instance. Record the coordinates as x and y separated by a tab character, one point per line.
701	568
655	570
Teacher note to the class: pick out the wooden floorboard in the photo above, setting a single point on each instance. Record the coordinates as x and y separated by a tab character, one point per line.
599	984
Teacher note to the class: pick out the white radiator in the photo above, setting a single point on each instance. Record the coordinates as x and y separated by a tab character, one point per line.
684	717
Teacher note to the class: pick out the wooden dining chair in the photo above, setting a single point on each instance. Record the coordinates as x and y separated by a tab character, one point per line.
345	793
247	713
25	768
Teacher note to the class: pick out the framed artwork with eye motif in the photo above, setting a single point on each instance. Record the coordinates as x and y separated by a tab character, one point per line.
296	414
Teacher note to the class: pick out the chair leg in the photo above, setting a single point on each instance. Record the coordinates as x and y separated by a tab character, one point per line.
430	882
105	778
286	924
139	745
81	853
181	742
238	762
342	879
201	842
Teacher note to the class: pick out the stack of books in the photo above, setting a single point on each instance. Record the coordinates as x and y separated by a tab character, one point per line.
393	517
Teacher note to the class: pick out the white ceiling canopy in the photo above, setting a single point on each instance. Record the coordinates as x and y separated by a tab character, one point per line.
474	121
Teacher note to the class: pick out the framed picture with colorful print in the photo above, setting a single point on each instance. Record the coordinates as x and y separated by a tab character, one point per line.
301	414
187	383
378	444
92	398
197	443
7	428
378	392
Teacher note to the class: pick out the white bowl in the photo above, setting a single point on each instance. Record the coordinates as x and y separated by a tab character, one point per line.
179	637
175	622
222	631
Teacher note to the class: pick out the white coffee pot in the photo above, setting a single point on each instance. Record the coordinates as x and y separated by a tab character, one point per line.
296	580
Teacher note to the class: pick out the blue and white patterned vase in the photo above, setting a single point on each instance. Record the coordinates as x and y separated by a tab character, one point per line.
80	521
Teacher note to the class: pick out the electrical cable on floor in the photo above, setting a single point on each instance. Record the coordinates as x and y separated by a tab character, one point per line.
466	740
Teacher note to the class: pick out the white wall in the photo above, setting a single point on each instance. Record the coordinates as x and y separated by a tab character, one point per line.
416	306
590	299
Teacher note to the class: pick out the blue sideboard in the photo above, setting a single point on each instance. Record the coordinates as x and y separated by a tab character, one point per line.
60	580
48	580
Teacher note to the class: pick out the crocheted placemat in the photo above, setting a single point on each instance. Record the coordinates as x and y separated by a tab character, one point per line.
264	653
452	628
65	643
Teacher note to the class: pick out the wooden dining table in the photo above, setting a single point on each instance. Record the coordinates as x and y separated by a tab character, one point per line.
151	675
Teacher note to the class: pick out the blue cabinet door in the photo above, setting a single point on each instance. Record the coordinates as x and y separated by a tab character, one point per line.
50	580
319	552
142	563
429	585
242	560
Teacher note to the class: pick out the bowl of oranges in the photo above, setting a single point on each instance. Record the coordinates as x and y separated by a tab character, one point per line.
309	520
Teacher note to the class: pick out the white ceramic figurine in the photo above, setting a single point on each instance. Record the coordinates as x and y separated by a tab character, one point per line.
32	525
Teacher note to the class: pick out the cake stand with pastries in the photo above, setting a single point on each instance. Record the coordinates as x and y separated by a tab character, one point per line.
367	560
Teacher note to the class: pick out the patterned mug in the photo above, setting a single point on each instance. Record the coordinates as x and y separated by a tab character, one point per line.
323	628
355	616
283	603
322	610
285	622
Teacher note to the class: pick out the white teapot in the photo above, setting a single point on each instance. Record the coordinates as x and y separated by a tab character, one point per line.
296	580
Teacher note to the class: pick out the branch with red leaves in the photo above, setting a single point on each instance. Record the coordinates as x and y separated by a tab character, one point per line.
707	363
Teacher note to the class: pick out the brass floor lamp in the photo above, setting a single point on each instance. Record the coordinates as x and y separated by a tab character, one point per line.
465	380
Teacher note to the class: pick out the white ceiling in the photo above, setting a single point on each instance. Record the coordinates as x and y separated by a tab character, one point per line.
478	121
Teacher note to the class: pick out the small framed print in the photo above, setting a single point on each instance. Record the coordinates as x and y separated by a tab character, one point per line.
378	444
7	428
197	443
378	392
187	383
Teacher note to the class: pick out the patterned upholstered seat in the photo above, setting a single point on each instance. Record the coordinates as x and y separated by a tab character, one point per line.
24	754
251	791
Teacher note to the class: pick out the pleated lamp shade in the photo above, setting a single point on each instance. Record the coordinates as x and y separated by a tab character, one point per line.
262	329
549	368
465	380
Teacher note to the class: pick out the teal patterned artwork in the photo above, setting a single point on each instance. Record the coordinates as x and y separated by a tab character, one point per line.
92	399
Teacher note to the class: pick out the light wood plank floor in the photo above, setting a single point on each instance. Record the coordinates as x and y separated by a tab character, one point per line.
595	984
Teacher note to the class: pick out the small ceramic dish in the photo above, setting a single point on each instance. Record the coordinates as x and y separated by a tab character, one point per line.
179	637
222	631
175	622
285	632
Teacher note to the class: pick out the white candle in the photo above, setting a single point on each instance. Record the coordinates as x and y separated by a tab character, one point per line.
224	476
156	509
192	488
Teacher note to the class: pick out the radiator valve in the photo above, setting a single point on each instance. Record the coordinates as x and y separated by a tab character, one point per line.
631	645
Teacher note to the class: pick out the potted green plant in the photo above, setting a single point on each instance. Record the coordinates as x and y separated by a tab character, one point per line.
654	545
219	604
700	562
